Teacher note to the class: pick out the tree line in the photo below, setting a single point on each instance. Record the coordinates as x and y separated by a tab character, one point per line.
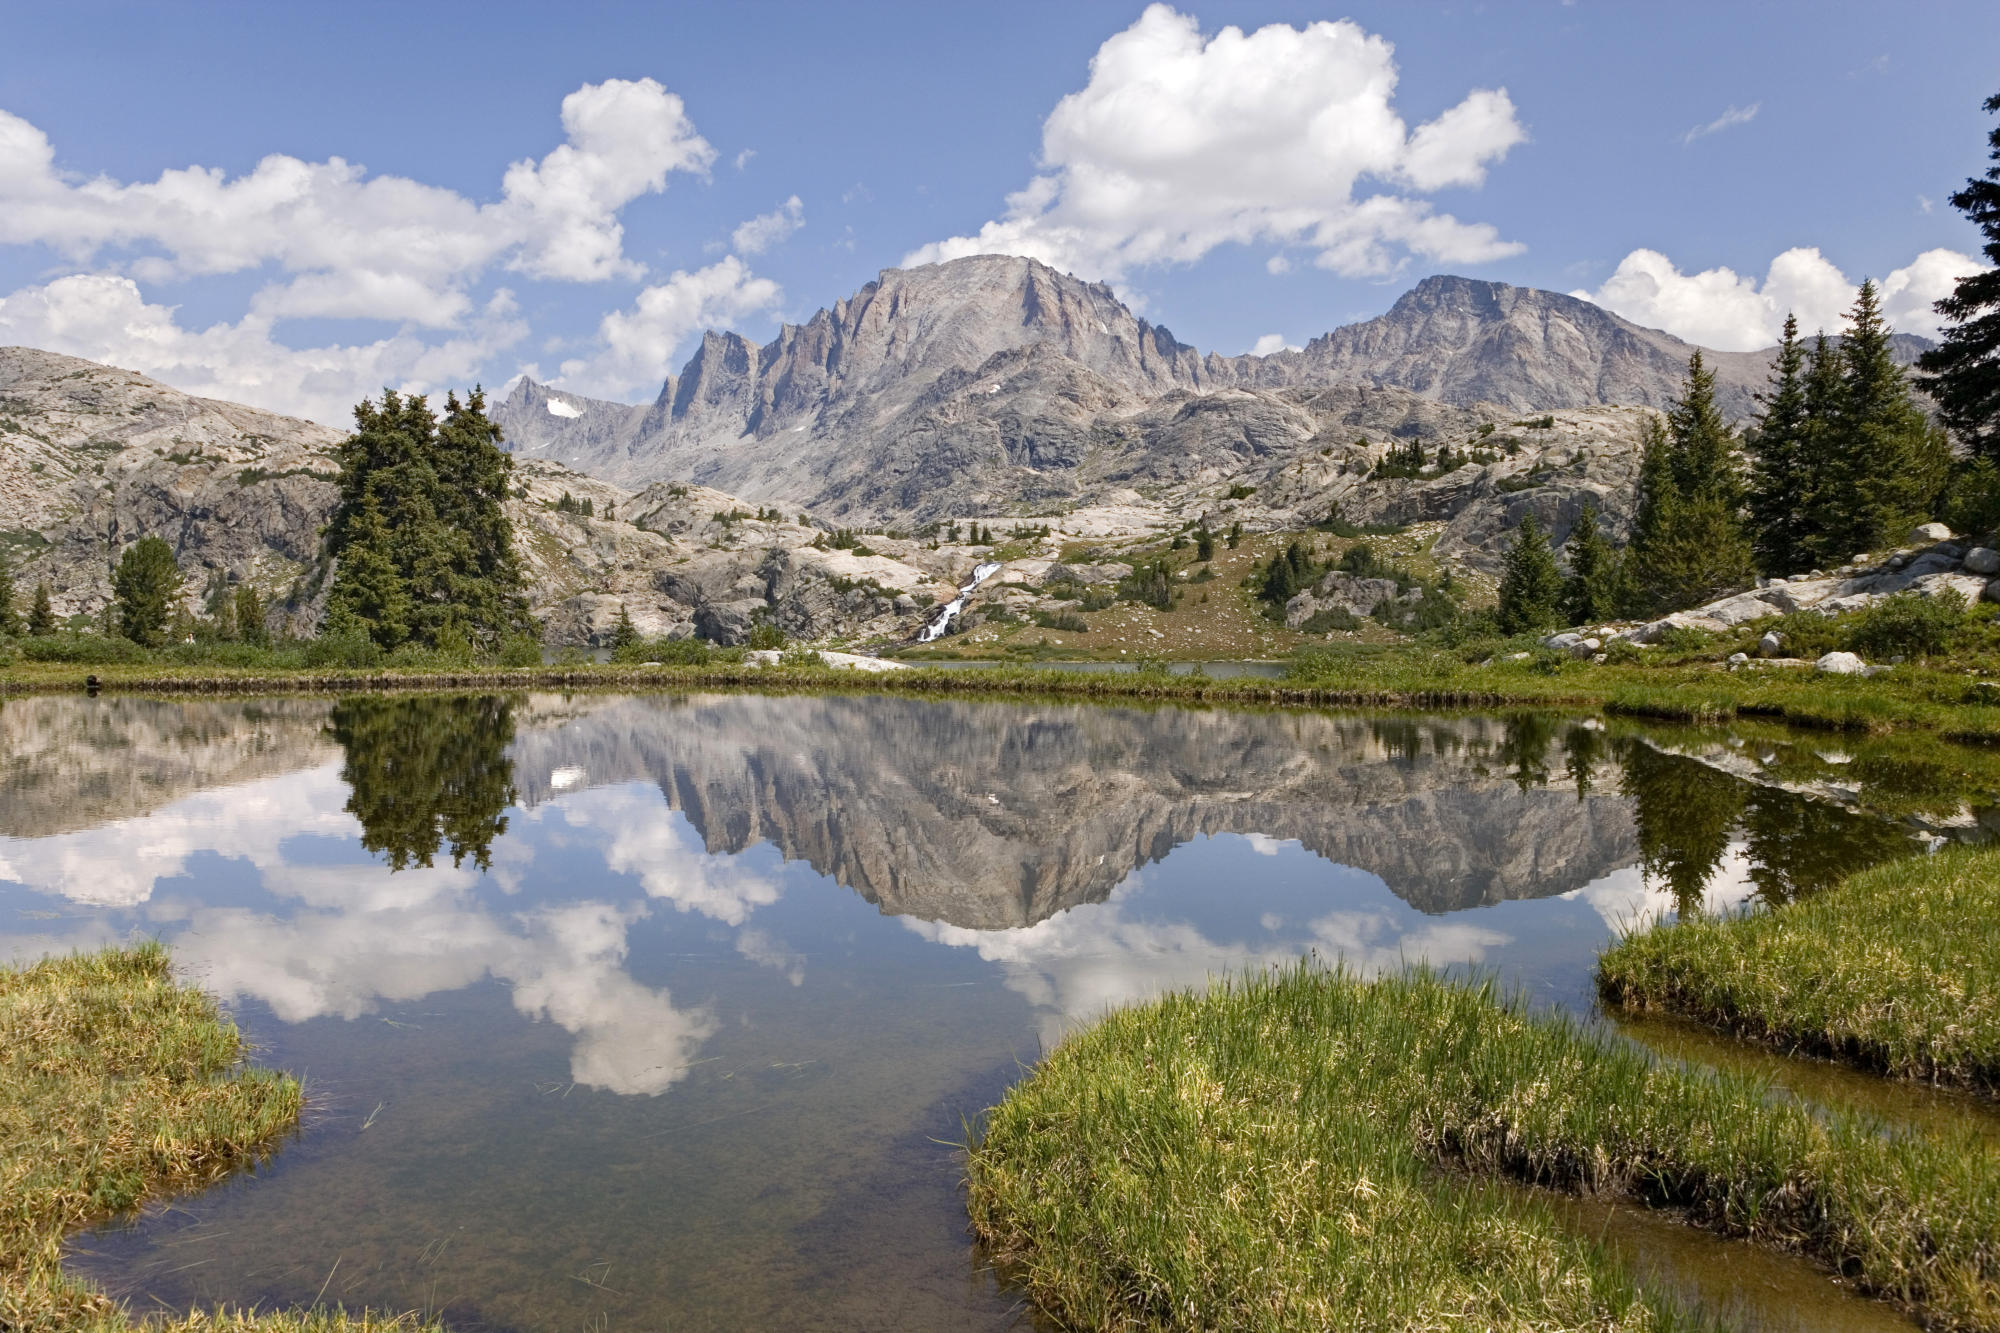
1840	461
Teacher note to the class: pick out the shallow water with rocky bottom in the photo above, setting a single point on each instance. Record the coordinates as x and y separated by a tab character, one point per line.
659	1012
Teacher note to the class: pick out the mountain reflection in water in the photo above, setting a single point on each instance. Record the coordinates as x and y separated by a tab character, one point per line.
699	987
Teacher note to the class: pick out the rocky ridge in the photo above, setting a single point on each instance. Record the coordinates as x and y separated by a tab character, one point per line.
995	384
92	458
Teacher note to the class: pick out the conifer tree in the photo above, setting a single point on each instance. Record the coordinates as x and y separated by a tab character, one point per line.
422	544
625	632
222	620
1688	543
1531	587
370	595
10	619
1819	455
1779	488
1590	593
147	589
1888	462
1204	544
41	614
1963	371
250	616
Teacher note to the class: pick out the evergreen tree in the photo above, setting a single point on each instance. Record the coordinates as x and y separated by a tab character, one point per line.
1963	371
10	619
1235	537
222	618
1590	594
147	590
250	617
1688	544
1819	455
625	632
423	544
369	593
1888	463
1204	544
1779	480
41	614
1531	587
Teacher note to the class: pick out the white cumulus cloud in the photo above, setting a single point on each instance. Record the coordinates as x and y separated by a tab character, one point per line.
637	345
1181	143
767	229
1735	312
104	317
338	243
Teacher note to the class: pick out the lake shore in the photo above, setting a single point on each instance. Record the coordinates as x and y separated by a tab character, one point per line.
1249	1156
1949	702
1896	970
119	1085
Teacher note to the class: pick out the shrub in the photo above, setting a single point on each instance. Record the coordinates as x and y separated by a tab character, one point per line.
520	652
1909	624
1067	621
353	649
1330	618
1684	639
765	636
800	657
82	649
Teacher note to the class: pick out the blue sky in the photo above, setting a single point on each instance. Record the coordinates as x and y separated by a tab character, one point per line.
1265	185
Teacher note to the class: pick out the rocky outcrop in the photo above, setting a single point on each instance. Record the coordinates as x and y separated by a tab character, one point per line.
1939	566
93	458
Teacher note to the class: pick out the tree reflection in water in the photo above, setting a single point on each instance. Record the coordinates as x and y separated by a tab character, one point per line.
1688	813
427	772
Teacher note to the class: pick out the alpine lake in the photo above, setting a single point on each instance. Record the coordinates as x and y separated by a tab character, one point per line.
668	1011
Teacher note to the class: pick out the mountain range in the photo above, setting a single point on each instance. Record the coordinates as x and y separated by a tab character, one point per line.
991	389
997	382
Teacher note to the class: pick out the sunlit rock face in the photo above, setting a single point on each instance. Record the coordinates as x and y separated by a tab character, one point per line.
991	816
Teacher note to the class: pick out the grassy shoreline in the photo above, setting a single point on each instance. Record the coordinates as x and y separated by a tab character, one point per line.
1939	700
1259	1155
1896	970
118	1085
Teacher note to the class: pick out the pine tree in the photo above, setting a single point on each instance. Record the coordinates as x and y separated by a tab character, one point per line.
1963	371
222	619
1590	593
1688	542
1819	455
10	620
625	632
147	590
423	545
1204	544
1889	463
1235	537
250	617
41	614
1531	587
1779	479
369	593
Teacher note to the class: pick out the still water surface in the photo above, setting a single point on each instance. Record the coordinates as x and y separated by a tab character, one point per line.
663	1012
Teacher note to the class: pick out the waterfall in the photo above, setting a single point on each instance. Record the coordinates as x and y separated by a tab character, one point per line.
936	629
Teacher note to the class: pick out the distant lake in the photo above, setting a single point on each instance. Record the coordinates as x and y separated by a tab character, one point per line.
665	1011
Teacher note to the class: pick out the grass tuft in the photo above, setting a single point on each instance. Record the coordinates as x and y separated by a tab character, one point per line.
1307	1150
1896	970
118	1085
